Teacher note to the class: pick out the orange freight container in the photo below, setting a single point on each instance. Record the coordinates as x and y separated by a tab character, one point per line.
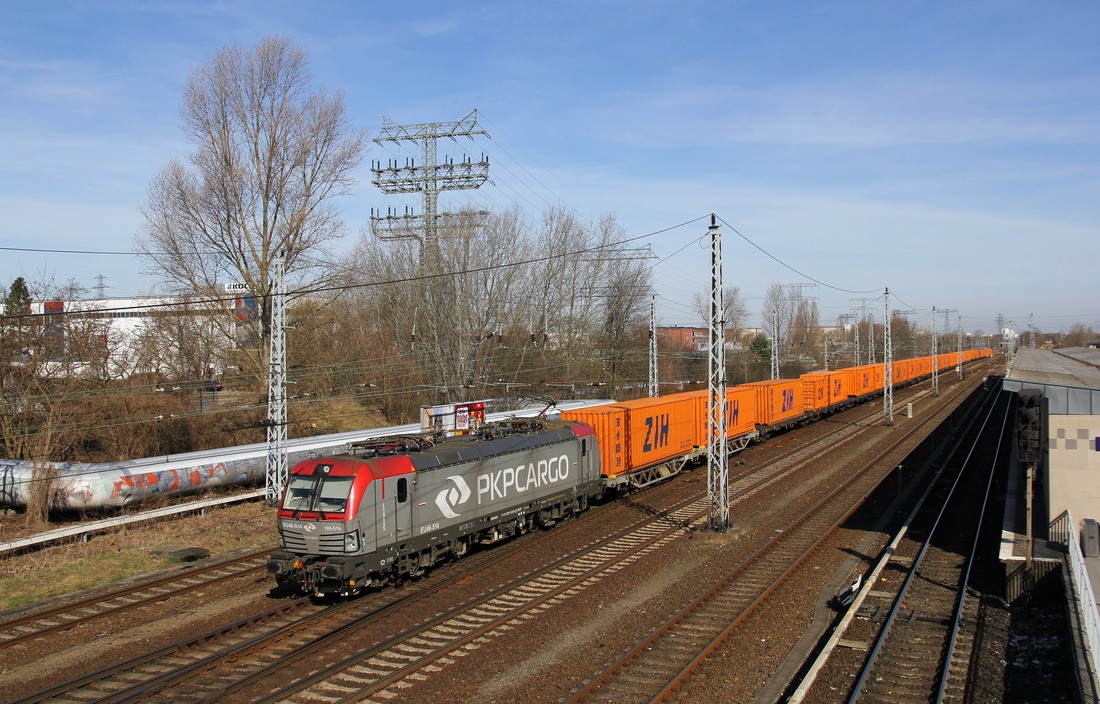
861	380
815	392
740	413
836	384
609	424
658	429
777	400
878	372
902	371
641	433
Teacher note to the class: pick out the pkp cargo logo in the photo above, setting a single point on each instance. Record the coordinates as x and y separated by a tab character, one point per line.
453	496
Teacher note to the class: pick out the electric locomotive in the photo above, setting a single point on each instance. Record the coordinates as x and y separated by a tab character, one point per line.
393	507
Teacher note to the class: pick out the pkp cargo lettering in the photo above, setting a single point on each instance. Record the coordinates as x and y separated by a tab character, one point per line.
498	485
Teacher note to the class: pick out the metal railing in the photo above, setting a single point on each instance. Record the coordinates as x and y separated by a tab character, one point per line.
1064	530
84	530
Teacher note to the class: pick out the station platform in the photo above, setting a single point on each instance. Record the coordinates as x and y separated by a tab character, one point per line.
1075	366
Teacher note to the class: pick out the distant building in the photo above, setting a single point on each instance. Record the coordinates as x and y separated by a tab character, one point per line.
170	336
696	339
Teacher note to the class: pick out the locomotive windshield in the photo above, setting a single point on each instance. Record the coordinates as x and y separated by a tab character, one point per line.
319	492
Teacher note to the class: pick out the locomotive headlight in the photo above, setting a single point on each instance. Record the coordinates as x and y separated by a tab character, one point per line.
351	542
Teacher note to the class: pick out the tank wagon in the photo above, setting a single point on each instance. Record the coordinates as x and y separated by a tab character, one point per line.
391	508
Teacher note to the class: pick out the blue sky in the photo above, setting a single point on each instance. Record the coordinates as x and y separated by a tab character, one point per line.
949	151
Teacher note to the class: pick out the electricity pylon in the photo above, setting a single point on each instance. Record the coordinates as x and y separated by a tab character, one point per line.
429	178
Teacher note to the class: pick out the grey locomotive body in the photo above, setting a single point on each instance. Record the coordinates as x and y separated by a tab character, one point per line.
402	505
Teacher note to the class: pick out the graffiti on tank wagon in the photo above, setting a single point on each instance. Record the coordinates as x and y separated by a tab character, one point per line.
171	480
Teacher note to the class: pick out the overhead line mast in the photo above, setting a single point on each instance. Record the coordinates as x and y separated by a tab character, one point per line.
935	356
946	328
717	464
870	329
277	468
888	368
654	384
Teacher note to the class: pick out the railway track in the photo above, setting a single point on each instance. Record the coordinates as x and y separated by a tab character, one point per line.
918	643
667	658
377	673
269	648
144	674
38	625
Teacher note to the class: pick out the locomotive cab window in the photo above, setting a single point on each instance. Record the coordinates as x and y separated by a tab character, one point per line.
299	492
321	493
402	490
332	496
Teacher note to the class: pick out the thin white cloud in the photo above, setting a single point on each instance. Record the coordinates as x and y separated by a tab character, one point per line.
855	111
73	85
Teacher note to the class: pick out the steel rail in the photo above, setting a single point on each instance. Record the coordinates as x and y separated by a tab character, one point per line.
590	689
167	678
401	673
899	600
889	555
102	673
953	637
502	555
629	551
130	605
663	515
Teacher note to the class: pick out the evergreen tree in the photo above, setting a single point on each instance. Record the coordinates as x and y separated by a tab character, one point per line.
761	347
18	300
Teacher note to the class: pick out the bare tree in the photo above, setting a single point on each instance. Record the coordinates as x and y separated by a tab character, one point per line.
1079	335
271	156
734	309
805	327
184	343
778	308
514	306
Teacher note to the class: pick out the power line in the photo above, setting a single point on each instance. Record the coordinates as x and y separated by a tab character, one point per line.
788	266
349	287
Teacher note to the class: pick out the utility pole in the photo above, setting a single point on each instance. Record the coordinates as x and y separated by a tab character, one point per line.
959	358
870	329
870	338
277	471
1031	329
844	319
947	327
888	368
775	345
654	389
935	356
717	466
429	178
855	338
